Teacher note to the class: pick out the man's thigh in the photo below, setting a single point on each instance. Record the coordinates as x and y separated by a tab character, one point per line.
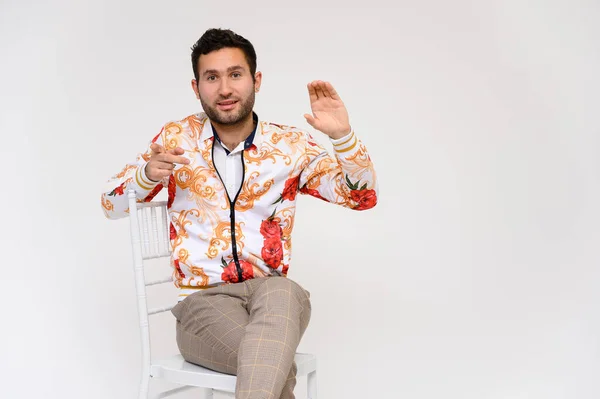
210	326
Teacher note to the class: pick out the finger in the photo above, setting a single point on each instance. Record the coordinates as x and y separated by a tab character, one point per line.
170	158
161	166
323	89
156	174
319	89
177	151
311	92
165	166
331	91
157	148
311	120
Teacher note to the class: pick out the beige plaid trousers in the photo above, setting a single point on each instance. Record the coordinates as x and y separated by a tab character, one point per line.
249	329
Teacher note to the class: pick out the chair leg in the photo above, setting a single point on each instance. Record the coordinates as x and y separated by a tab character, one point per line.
144	385
312	385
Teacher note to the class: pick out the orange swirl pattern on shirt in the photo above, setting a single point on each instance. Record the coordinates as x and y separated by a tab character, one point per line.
222	238
181	221
206	196
252	191
266	151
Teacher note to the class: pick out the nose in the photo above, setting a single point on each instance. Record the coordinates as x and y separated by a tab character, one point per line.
225	88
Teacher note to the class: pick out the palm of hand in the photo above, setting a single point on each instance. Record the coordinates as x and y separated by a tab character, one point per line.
329	114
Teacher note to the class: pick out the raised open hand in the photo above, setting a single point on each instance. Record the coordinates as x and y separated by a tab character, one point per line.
329	114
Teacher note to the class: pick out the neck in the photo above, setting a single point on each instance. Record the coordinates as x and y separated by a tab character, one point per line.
232	135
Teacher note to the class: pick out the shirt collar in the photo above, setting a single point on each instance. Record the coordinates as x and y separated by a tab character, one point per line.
251	141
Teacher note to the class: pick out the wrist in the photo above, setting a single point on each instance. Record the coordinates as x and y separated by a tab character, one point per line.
339	138
145	174
341	133
142	180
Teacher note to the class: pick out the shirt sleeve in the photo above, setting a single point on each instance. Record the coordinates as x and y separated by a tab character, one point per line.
133	176
346	178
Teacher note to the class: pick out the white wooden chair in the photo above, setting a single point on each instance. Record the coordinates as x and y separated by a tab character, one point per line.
150	240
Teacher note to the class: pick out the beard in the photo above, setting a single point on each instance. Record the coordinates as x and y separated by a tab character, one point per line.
232	117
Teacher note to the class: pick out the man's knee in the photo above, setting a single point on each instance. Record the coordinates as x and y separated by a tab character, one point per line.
285	284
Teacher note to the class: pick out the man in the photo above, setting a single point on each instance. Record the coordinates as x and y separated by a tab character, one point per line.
232	182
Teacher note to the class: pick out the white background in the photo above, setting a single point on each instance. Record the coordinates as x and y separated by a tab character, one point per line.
476	276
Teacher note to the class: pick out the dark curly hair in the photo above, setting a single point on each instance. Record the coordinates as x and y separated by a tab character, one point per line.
216	39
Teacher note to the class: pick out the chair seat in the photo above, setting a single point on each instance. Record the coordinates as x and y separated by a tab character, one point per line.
177	370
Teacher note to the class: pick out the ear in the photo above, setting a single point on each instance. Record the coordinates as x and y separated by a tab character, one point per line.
257	81
195	88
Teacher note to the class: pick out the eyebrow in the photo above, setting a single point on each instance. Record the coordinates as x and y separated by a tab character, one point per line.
230	69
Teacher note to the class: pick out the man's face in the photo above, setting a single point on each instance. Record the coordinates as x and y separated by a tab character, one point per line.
225	86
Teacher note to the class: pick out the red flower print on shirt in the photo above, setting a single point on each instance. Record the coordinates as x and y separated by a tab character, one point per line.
171	190
312	192
284	270
366	199
290	189
153	193
272	252
269	228
312	141
230	274
178	268
118	191
172	231
158	135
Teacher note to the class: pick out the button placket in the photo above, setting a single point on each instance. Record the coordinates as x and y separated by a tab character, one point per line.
231	158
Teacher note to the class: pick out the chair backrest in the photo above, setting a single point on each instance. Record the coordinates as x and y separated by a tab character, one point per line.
149	226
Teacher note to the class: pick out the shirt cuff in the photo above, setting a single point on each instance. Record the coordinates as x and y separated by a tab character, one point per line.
341	139
144	184
346	143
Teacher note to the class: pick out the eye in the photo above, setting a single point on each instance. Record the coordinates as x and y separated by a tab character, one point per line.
236	75
211	78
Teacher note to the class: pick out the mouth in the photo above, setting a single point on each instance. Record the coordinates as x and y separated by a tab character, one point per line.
227	104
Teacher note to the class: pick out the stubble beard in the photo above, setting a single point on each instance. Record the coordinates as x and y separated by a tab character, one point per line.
229	118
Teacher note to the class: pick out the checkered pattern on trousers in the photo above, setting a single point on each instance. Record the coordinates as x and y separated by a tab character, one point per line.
249	329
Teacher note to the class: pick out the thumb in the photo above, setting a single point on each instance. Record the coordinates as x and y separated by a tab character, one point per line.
311	120
157	148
